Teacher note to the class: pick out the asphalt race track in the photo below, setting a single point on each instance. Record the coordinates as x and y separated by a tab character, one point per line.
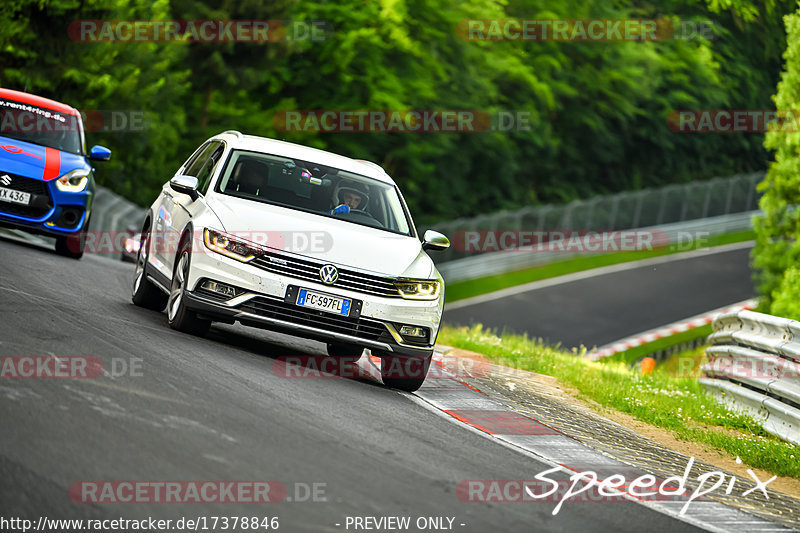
601	309
217	409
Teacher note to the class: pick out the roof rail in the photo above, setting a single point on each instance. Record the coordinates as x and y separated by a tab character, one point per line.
237	133
372	164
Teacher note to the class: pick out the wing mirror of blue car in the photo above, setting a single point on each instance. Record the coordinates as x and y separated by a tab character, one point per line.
433	240
185	185
99	153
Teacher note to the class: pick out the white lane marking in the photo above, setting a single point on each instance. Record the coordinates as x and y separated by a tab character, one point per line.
594	272
540	458
216	458
712	516
131	390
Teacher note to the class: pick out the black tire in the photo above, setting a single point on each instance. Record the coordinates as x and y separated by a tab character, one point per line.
144	293
345	352
404	373
72	246
179	317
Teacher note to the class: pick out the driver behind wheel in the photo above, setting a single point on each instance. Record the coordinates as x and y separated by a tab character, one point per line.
349	195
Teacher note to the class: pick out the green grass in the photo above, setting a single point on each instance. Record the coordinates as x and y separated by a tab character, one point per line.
684	364
474	287
643	350
663	399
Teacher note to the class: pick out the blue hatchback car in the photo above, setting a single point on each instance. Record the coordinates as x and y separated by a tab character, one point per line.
46	180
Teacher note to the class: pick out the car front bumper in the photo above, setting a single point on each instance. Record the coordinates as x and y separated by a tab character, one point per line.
267	300
50	212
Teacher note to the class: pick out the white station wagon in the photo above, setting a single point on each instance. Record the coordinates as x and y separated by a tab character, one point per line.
294	239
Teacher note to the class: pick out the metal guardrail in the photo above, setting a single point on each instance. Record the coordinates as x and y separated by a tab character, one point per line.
111	212
754	366
723	204
644	208
488	264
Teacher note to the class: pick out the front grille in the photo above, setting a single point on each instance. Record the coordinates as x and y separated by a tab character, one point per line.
363	328
40	203
309	270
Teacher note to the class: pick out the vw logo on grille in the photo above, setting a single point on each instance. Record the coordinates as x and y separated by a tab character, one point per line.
5	180
328	274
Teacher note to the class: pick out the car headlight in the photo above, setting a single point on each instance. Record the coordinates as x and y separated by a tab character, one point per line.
74	181
230	246
418	289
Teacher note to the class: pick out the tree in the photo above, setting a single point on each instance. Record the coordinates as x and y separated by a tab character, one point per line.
777	246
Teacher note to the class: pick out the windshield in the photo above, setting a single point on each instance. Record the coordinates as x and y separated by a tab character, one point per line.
42	126
314	188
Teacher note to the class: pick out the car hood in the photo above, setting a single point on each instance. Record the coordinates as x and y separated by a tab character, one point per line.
36	161
323	239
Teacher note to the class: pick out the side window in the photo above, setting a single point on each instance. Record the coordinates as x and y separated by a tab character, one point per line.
192	158
194	166
204	176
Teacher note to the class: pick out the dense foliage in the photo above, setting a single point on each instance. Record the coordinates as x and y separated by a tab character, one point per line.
777	249
598	110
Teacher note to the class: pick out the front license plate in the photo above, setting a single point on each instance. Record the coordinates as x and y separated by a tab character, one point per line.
324	302
15	197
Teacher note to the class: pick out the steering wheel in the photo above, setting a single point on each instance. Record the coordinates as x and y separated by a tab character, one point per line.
361	212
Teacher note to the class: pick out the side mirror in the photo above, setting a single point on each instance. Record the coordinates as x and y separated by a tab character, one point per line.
185	185
99	153
433	240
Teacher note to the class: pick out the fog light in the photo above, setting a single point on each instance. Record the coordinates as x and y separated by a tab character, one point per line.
219	288
413	331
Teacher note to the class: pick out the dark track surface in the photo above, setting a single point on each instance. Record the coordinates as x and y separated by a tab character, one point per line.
214	409
605	308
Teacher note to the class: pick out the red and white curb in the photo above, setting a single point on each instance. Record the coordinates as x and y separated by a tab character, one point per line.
463	404
666	331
